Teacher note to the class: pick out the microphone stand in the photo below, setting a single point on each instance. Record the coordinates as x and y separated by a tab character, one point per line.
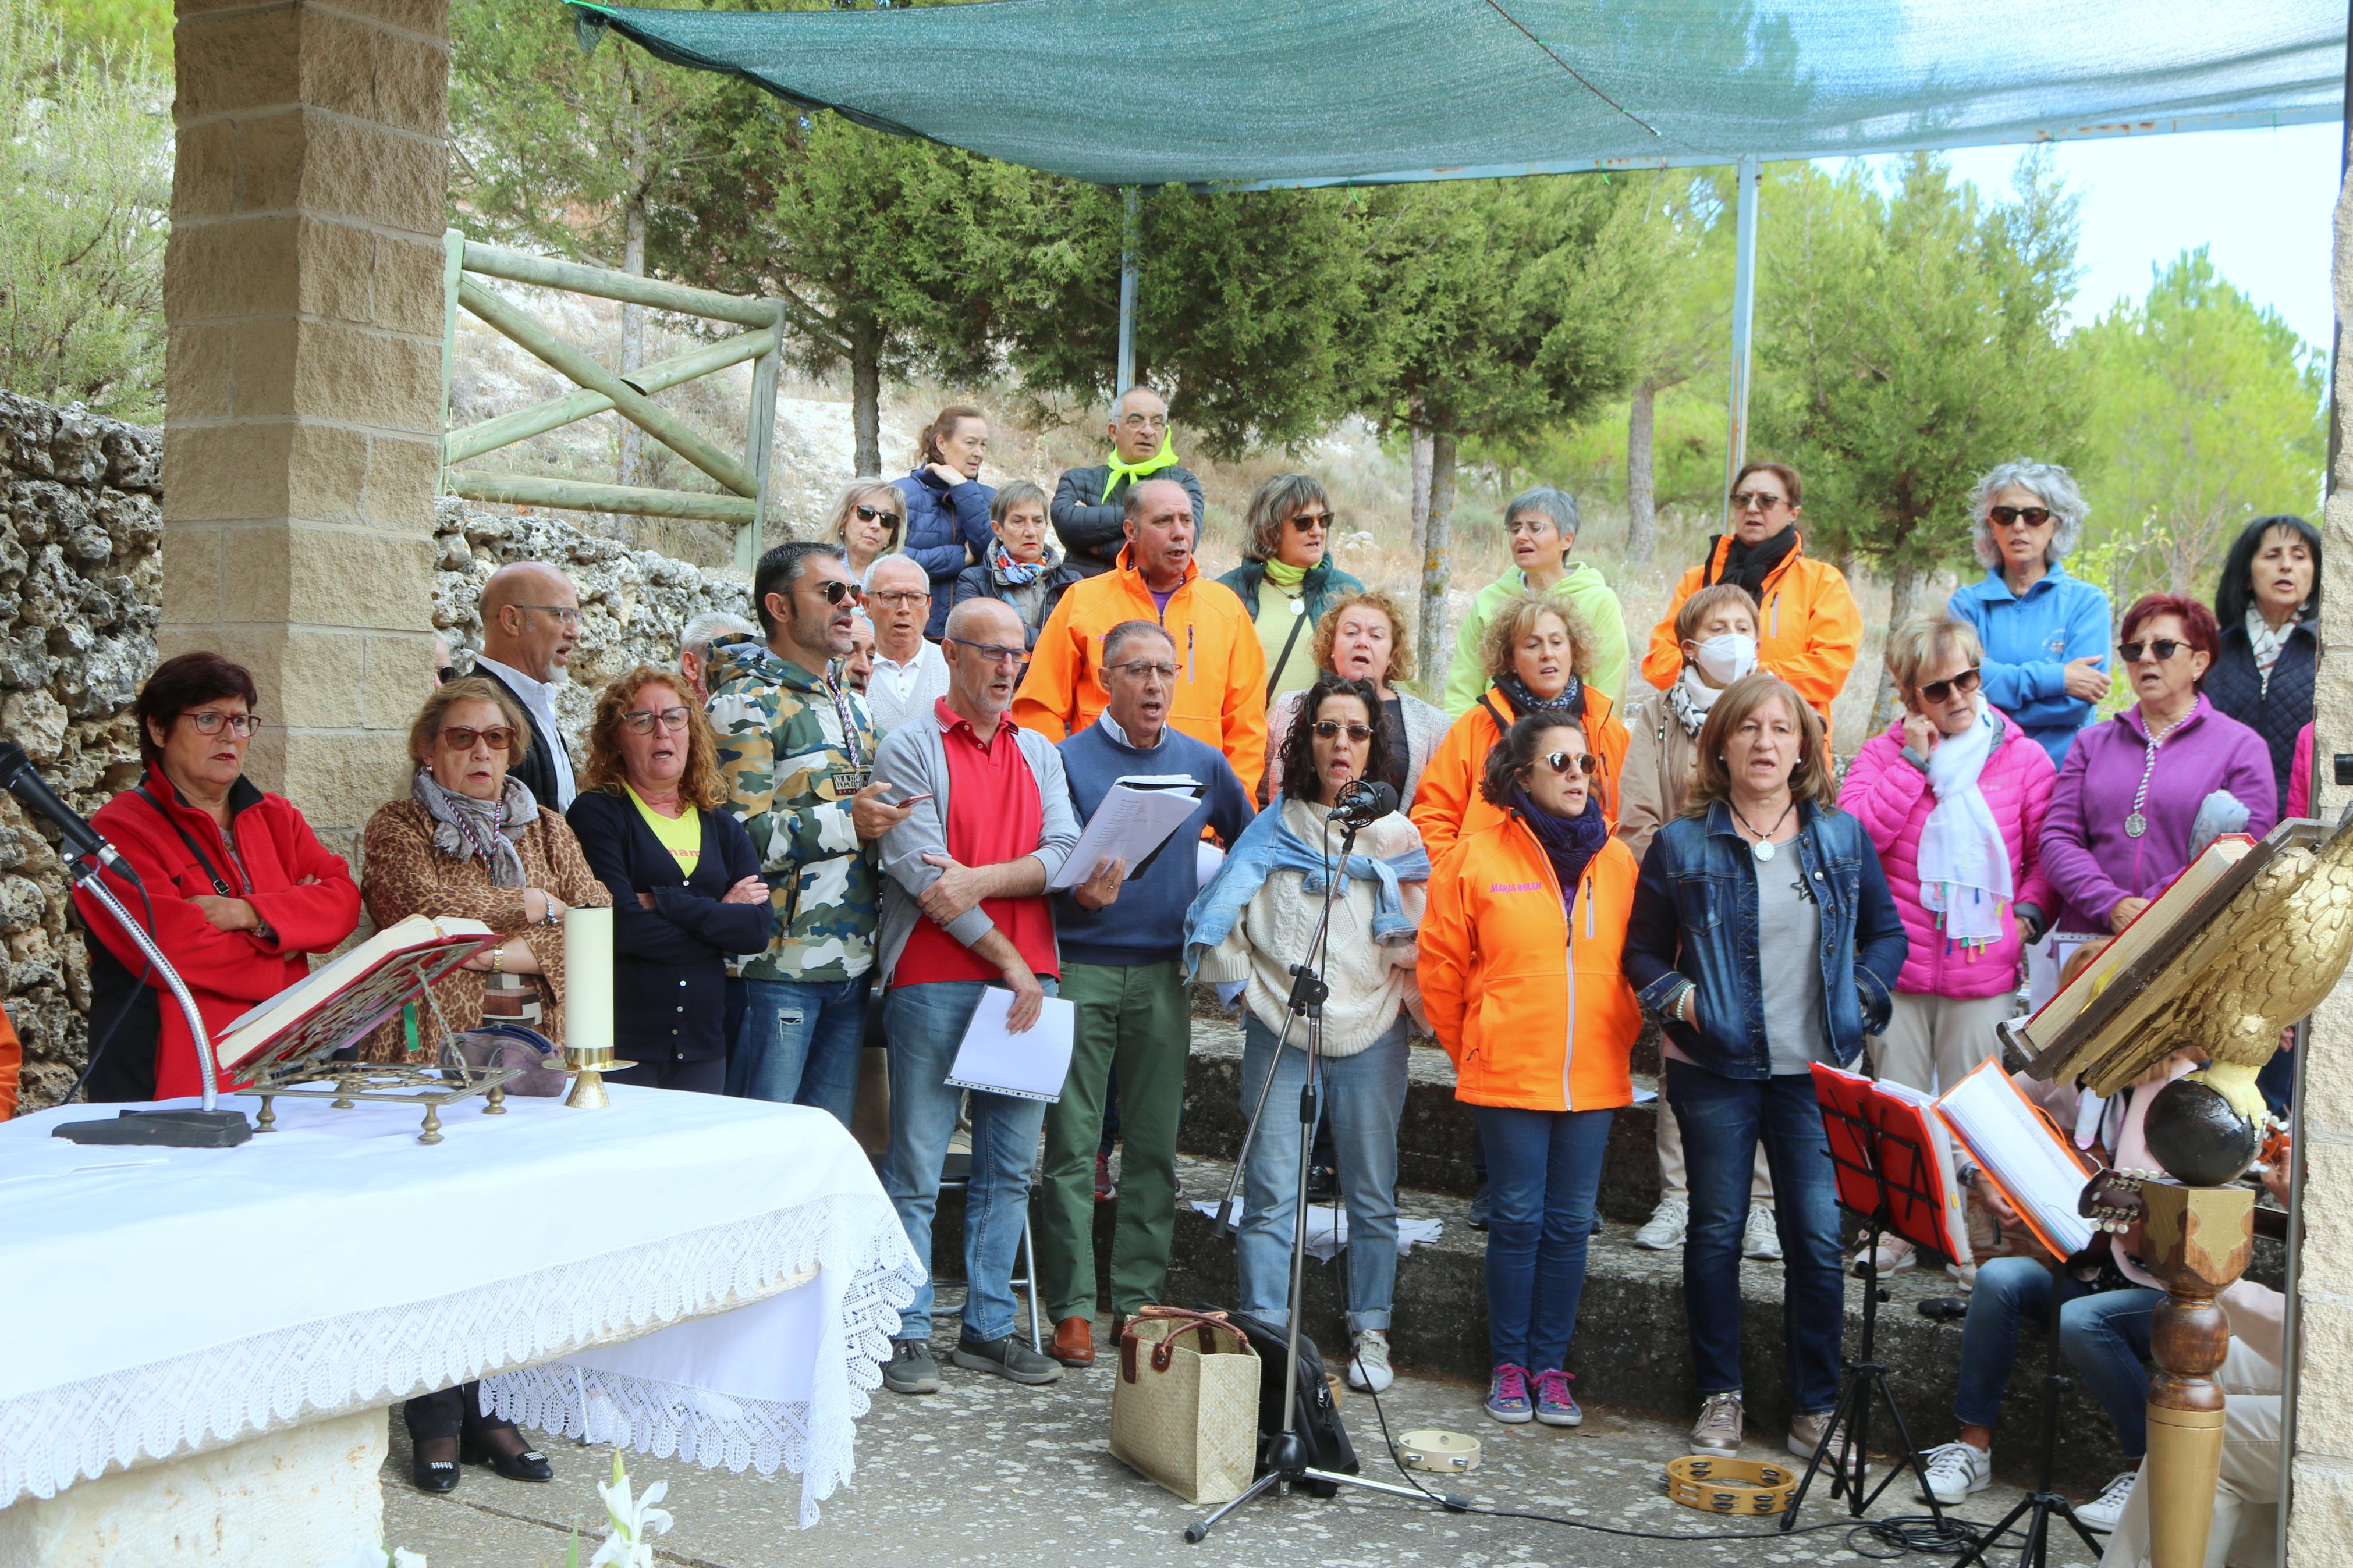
1286	1455
209	1127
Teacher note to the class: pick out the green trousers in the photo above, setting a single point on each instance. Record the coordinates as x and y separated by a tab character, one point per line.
1136	1017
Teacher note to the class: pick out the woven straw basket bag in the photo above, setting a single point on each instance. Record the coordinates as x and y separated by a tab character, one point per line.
1184	1410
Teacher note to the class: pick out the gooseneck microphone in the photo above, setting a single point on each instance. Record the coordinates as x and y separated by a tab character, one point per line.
1364	801
82	842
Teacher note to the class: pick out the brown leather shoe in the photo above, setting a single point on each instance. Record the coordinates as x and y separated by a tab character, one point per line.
1074	1341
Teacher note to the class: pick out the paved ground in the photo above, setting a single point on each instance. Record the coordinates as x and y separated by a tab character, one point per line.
986	1473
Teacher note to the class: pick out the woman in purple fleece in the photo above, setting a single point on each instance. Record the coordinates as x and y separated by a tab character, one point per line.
2119	824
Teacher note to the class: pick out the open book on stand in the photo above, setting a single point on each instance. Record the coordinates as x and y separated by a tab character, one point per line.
341	1000
2023	1153
1885	1134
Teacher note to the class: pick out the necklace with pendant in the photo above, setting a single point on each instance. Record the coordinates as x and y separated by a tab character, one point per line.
2136	825
1762	846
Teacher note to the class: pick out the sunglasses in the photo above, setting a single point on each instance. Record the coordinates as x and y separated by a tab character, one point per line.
874	513
1964	683
2162	649
2005	516
995	653
835	590
1584	762
1328	729
643	720
209	723
499	738
1763	501
1308	522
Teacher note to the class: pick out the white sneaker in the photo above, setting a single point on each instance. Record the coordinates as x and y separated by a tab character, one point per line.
1895	1253
1964	1274
2103	1512
1957	1472
1664	1229
1368	1362
1759	1238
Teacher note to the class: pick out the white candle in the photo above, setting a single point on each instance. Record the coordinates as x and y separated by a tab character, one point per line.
588	978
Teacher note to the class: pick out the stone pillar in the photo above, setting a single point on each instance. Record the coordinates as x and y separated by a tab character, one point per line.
2320	1527
303	294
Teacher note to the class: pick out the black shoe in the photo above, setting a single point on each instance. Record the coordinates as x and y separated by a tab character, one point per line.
1322	1184
911	1369
1479	1208
529	1465
1010	1358
434	1477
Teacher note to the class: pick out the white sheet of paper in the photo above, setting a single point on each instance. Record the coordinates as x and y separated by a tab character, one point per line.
1032	1064
1129	824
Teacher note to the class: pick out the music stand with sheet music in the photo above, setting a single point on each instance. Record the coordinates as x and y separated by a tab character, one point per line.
302	1055
1887	1175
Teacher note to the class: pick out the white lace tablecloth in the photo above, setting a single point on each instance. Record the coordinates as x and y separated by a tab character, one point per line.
686	1274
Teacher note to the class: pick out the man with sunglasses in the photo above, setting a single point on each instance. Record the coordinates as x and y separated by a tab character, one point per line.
531	619
795	755
1090	504
1123	970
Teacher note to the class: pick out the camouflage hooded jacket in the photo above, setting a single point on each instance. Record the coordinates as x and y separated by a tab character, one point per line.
790	771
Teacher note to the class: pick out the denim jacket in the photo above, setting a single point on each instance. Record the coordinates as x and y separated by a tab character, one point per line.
1694	923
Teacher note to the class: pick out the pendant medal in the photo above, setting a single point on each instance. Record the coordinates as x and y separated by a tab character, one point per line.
1762	849
2136	825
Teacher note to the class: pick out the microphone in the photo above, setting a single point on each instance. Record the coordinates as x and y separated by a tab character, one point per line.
1364	801
18	777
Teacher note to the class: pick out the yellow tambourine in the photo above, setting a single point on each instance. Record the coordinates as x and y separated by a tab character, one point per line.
1713	1485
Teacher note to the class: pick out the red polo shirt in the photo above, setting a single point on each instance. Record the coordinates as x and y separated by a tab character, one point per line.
994	816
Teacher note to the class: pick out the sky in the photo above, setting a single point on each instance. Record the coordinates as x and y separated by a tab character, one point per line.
2260	201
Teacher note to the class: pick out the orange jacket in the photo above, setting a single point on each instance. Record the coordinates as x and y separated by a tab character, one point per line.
12	1064
1221	697
1525	1029
1811	627
1447	805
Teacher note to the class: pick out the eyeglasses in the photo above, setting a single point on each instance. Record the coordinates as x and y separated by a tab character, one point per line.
499	738
208	721
565	613
1308	522
643	720
1964	683
835	590
874	513
1144	670
1520	525
2162	649
2010	516
894	597
992	652
1327	728
1763	501
1586	763
1145	421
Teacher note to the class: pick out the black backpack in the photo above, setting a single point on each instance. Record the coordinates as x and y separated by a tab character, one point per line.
1326	1440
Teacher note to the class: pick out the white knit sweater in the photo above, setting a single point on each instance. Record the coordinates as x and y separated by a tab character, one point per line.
1369	983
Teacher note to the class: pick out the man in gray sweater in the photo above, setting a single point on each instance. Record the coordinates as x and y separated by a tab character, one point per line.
964	909
1090	508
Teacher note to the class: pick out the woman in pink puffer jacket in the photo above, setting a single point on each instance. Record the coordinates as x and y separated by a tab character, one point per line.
1970	883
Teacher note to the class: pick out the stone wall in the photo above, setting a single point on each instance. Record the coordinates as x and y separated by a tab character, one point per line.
80	580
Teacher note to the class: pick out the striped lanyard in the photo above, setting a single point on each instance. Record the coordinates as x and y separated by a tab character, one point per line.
2136	825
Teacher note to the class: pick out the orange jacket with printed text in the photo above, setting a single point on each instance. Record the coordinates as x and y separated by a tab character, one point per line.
1529	999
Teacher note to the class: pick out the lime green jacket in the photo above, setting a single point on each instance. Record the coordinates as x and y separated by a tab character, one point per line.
1582	590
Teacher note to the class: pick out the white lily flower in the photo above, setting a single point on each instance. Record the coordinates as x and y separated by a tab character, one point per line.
628	1543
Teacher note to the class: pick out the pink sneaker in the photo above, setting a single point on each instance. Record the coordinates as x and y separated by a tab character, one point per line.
1507	1395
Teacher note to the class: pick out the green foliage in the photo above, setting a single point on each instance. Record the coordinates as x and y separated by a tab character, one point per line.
133	29
85	195
1906	342
1588	458
2205	411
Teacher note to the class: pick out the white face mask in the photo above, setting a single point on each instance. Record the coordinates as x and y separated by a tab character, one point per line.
1725	659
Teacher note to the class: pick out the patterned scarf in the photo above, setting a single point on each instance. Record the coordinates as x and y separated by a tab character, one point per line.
2267	644
1689	699
465	828
1015	574
1525	701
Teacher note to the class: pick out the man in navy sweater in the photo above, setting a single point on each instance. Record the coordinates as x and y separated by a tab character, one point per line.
1122	966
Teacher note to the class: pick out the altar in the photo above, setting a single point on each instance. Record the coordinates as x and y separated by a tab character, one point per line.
200	1344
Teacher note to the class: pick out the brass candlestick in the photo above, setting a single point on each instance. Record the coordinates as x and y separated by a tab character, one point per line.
591	1063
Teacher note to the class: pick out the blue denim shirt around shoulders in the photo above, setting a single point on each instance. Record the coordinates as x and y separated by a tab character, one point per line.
1694	923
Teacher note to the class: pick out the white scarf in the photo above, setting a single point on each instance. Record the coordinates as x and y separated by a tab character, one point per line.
2267	644
1689	700
1964	864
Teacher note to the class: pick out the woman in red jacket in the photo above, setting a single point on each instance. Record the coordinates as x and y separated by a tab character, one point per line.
242	890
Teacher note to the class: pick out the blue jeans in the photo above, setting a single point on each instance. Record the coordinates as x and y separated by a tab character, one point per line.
1723	1119
1364	1095
798	1044
1544	1171
924	1023
2105	1335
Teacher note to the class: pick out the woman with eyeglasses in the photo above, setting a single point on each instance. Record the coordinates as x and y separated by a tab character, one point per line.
1953	795
2268	608
471	842
2046	633
1763	941
1540	526
685	879
866	522
2133	789
1257	918
1810	627
1522	977
1021	569
242	890
1287	577
1538	654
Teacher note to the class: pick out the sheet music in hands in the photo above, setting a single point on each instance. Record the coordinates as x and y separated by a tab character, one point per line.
1136	818
1031	1065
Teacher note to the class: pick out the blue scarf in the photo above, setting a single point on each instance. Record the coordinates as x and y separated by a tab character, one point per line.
1570	843
1011	573
1265	847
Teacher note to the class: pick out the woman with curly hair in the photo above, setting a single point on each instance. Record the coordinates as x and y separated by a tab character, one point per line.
1538	655
1363	635
686	883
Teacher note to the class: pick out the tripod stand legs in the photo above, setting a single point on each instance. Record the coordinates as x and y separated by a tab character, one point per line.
1197	1533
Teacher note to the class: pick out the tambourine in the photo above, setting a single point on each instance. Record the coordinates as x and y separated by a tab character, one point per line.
1713	1485
1444	1453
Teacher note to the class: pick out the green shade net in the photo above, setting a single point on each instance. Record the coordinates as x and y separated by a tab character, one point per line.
1149	92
